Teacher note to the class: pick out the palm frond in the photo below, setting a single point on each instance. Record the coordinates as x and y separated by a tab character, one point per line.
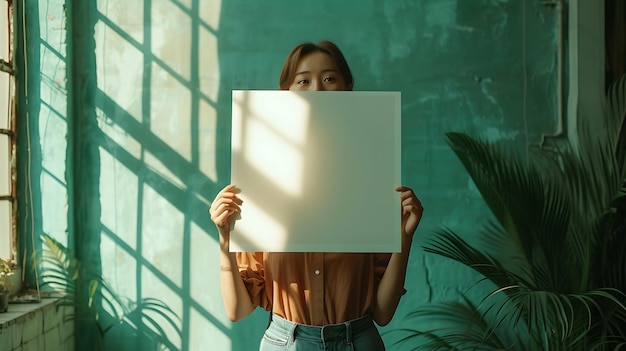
533	217
63	272
616	118
450	245
466	329
555	255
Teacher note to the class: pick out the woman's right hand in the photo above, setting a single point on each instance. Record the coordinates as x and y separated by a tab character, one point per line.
225	204
234	292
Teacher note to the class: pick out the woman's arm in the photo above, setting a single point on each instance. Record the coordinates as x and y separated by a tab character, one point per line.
234	293
391	286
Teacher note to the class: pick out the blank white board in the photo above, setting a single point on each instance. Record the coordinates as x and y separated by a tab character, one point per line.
317	171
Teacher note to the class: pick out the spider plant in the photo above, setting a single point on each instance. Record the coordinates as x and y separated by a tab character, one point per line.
552	261
103	309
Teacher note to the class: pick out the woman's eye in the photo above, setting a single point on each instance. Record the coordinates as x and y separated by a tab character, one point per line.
329	79
303	81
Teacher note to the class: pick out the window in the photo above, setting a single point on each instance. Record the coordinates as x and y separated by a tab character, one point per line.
7	133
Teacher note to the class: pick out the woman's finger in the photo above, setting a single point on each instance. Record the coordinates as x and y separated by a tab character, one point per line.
226	203
222	203
228	194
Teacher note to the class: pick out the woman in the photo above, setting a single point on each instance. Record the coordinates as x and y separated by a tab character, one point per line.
318	301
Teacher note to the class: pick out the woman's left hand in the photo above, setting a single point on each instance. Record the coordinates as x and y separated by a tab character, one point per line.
412	210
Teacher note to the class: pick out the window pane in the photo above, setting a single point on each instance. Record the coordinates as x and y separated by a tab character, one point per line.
4	31
5	229
4	100
5	166
6	223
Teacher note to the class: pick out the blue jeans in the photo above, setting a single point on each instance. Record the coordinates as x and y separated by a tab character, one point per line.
356	335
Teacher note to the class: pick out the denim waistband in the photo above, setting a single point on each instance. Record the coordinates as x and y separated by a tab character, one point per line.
327	332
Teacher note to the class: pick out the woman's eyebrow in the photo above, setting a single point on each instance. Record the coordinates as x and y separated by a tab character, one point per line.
323	71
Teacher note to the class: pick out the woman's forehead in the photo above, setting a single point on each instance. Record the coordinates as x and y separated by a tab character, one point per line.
316	61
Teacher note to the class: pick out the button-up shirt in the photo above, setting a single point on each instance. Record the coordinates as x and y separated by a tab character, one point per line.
313	288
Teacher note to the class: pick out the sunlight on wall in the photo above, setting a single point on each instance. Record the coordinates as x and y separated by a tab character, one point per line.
203	333
208	317
155	154
209	323
161	235
171	38
210	13
154	286
55	206
119	216
209	79
207	135
117	136
209	65
119	67
170	111
118	275
158	166
125	15
52	120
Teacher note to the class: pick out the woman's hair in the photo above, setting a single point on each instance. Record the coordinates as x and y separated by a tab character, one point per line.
291	63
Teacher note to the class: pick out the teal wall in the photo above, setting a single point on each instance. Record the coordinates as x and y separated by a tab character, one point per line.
128	114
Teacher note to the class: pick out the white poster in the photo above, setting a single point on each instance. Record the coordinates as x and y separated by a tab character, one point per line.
317	171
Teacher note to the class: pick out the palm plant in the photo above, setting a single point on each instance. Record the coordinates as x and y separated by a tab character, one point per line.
553	259
103	309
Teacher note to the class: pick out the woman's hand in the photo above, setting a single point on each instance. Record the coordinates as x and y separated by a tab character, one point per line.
391	286
234	292
412	210
225	204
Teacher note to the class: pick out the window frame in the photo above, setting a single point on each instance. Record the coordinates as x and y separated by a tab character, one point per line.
8	67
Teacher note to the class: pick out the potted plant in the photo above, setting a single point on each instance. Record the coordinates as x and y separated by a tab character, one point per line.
552	260
6	272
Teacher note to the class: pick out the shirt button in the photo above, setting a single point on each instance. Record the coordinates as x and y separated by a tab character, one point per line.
317	272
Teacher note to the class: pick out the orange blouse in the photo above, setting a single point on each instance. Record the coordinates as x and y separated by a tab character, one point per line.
313	288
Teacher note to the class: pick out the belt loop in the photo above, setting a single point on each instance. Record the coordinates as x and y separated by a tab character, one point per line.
292	333
348	332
